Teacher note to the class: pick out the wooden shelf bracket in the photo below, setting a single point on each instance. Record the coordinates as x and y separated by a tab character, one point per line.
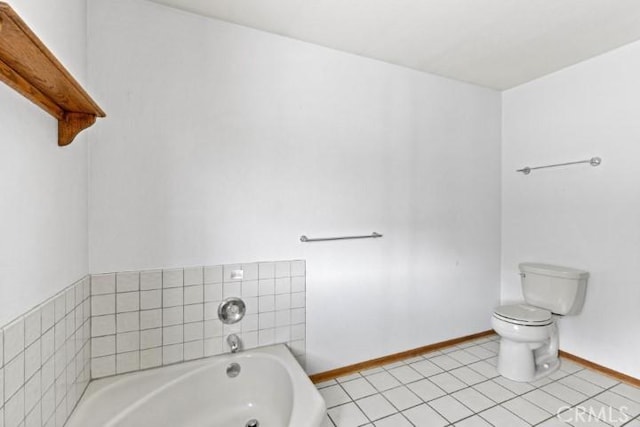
27	66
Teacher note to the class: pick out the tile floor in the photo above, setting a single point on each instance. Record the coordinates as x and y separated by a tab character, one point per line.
459	386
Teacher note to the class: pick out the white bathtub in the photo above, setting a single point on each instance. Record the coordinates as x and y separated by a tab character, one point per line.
270	388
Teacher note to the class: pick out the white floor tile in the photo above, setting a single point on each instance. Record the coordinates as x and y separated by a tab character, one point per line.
627	391
494	391
619	402
324	384
514	386
347	415
334	395
583	386
526	410
349	377
485	368
376	407
426	368
405	374
545	401
426	390
473	399
463	357
500	417
447	382
445	362
358	388
467	375
450	408
383	381
402	398
397	420
596	378
564	393
424	416
475	421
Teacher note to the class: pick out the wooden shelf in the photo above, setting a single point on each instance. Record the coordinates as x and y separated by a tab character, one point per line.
31	69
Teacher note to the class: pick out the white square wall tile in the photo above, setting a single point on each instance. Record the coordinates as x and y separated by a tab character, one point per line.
212	346
103	304
250	271
150	299
47	314
213	274
150	280
298	268
172	354
150	338
283	285
32	359
150	358
128	281
127	322
103	346
283	269
193	276
298	284
13	339
213	292
250	288
232	289
266	303
13	375
193	331
193	294
283	302
31	327
172	316
193	350
298	300
127	362
266	270
128	341
172	335
103	366
103	284
127	301
266	287
150	319
173	278
193	313
172	297
14	410
231	271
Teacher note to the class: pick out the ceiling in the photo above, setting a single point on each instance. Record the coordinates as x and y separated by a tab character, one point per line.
494	43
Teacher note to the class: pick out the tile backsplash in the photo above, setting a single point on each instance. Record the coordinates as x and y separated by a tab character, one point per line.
109	324
146	319
45	360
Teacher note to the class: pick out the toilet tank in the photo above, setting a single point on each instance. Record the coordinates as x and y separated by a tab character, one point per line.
560	290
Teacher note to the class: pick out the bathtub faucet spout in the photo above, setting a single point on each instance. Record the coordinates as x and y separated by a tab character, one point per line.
234	343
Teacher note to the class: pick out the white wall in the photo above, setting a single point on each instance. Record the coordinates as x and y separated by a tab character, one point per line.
579	216
43	188
225	144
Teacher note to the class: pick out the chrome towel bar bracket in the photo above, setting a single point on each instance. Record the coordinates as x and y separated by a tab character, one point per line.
594	161
306	239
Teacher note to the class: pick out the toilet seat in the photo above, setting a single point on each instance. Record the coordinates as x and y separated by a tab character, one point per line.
523	314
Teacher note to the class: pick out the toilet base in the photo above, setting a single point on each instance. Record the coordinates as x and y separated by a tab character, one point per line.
517	361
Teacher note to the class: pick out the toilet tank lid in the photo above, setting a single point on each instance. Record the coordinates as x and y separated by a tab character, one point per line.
553	270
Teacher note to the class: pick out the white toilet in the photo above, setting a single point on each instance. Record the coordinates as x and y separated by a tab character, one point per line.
528	332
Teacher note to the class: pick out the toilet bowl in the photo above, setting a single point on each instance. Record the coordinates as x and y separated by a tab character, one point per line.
528	347
529	331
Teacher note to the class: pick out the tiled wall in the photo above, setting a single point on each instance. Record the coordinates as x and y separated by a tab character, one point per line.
45	360
147	319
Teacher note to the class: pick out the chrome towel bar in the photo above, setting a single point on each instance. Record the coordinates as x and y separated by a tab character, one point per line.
594	161
306	239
